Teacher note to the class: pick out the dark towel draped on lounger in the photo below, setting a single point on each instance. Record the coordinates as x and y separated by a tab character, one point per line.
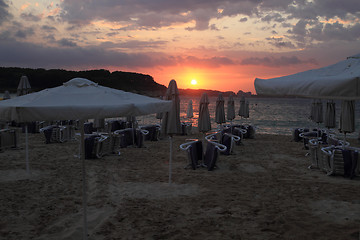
226	140
350	162
195	152
47	133
211	156
89	146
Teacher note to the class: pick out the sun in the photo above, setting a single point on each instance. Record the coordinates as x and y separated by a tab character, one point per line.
193	82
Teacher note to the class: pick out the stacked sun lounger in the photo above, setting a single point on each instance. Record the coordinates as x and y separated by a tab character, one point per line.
9	138
58	134
198	158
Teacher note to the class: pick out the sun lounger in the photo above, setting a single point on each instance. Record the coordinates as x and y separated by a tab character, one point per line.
197	157
318	159
343	160
154	132
227	139
113	125
58	134
8	139
131	137
186	128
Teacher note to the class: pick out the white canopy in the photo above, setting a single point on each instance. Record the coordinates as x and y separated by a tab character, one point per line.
337	81
79	98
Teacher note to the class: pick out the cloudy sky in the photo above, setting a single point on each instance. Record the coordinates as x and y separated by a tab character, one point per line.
222	44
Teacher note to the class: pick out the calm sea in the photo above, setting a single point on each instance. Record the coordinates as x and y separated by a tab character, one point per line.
268	115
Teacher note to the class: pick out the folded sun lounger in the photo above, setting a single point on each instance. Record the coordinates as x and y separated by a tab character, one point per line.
197	157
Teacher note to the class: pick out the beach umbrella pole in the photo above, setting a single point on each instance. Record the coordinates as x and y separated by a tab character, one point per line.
171	156
27	149
82	156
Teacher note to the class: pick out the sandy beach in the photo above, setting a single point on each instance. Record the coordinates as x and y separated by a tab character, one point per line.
263	191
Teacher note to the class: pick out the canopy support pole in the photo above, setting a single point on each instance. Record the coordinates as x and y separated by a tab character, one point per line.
27	149
171	156
82	158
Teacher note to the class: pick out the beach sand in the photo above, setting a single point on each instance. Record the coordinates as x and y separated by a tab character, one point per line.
263	191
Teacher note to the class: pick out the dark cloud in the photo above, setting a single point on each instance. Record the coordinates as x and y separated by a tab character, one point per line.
157	13
29	17
135	44
276	62
65	42
273	17
48	28
24	33
22	54
244	19
280	43
4	13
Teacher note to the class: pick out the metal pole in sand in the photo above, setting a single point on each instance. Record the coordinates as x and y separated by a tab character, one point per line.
82	157
171	156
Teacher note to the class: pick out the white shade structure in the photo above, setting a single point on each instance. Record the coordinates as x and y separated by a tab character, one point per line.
79	99
337	81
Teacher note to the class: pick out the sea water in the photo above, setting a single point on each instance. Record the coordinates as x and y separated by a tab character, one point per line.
268	115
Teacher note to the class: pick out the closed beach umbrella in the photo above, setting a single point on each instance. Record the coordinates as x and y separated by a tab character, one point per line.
171	120
190	111
347	116
24	86
243	111
318	112
6	95
330	115
230	108
204	124
220	110
246	110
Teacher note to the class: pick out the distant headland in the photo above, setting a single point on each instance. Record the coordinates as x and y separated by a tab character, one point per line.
128	81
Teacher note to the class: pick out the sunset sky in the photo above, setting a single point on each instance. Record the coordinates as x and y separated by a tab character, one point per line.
223	45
